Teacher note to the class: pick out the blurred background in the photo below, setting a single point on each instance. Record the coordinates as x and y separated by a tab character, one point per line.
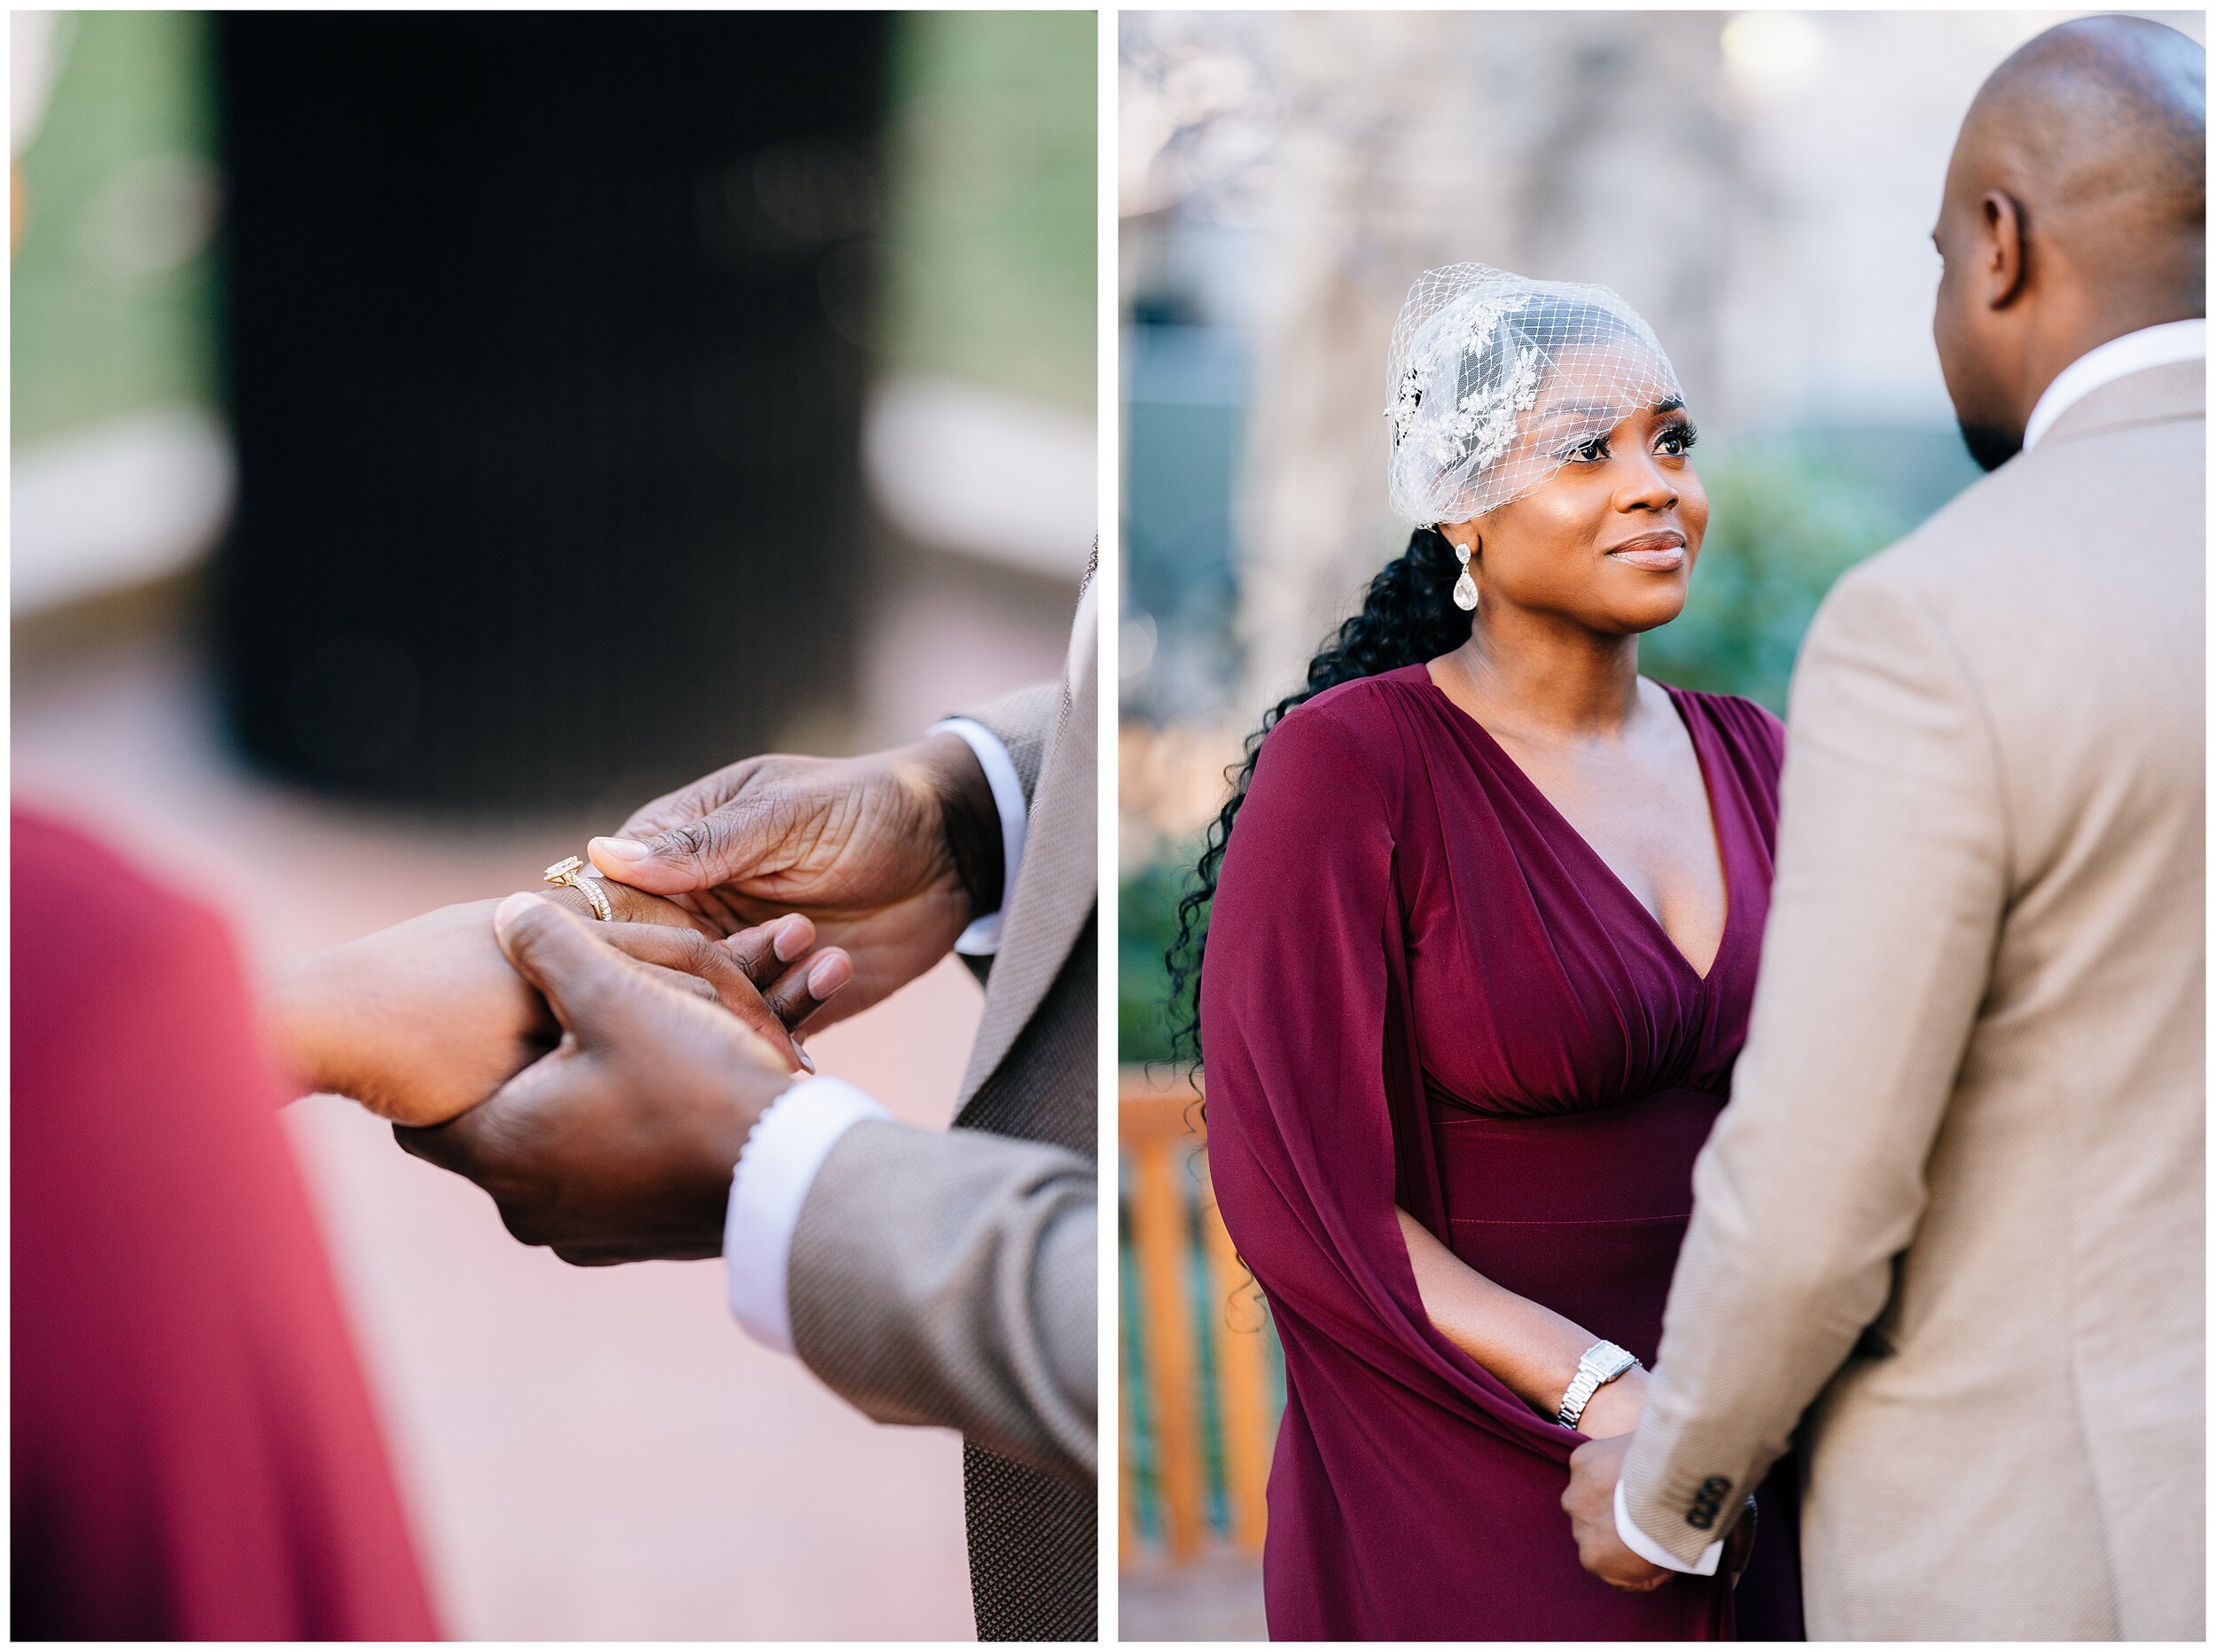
1759	185
433	436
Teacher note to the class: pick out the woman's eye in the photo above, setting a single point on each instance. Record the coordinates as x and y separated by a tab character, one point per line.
1675	441
1592	449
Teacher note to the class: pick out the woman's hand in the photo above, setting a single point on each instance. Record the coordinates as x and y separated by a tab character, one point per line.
422	1021
1529	1347
1615	1406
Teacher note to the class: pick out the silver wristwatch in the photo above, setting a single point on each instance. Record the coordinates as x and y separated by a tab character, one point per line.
1602	1362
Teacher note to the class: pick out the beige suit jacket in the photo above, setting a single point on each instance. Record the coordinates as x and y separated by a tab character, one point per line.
1953	1213
948	1277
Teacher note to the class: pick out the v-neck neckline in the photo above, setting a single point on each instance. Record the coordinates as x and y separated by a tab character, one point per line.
1708	790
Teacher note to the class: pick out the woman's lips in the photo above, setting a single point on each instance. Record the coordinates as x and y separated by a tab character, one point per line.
1658	552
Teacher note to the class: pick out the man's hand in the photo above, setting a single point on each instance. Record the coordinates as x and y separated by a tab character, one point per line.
619	1145
1616	1407
892	855
1590	1502
423	1020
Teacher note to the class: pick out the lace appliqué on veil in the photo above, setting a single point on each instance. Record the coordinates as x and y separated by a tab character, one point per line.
1459	385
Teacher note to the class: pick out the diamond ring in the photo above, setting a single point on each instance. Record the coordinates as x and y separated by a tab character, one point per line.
566	875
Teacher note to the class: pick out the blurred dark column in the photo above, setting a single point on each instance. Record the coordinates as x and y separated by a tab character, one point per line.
547	337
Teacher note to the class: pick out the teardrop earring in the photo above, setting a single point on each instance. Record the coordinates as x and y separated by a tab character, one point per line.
1465	587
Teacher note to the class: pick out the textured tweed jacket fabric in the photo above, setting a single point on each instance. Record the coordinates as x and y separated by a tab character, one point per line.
1954	1211
948	1277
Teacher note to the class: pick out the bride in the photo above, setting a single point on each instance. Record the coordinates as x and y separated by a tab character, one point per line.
1482	921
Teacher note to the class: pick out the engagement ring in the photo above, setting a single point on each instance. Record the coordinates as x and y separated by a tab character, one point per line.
565	874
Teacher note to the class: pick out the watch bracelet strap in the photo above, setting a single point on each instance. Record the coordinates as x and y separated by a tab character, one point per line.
1600	1364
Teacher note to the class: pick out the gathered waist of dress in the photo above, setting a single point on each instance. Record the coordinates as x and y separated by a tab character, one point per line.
1582	1212
1628	1161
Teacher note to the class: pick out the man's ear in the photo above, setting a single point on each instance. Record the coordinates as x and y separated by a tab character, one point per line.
2003	254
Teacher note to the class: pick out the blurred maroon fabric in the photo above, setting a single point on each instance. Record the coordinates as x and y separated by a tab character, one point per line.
1423	986
195	1454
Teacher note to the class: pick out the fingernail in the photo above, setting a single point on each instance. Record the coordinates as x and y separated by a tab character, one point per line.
805	1065
791	938
618	849
514	907
829	974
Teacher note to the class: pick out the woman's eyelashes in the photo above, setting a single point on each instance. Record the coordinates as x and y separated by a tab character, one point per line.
1674	441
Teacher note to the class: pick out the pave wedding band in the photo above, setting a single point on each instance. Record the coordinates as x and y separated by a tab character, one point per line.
567	874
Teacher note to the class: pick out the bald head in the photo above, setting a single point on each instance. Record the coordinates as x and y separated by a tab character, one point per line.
2075	212
2098	129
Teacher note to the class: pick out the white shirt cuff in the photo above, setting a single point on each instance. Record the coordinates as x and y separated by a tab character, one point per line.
786	1148
1647	1550
981	940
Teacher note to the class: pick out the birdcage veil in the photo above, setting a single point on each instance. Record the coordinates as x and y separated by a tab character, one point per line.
1473	351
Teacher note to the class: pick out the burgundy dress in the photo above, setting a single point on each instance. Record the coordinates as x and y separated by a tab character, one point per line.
194	1452
1425	987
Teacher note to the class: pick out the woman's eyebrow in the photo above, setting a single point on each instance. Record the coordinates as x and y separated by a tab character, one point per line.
1588	408
1601	409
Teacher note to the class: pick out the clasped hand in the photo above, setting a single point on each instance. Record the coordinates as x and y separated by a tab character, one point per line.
424	1020
1589	1501
599	1079
619	1145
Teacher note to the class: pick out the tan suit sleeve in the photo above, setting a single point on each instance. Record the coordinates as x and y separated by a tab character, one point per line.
1021	721
1892	875
947	1278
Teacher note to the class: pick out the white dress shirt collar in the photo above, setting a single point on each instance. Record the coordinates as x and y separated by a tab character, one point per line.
2104	363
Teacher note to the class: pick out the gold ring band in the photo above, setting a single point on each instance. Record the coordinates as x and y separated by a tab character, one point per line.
601	909
568	874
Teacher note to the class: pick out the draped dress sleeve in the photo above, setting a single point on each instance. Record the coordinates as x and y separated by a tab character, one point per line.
1315	1096
195	1451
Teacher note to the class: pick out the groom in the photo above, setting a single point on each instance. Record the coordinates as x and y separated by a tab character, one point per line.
1951	1227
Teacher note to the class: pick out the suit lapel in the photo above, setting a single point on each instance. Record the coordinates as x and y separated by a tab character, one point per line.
1055	886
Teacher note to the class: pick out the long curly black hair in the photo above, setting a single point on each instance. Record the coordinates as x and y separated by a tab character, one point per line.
1407	616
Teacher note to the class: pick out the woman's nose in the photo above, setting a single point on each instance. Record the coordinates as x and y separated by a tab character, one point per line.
1648	486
